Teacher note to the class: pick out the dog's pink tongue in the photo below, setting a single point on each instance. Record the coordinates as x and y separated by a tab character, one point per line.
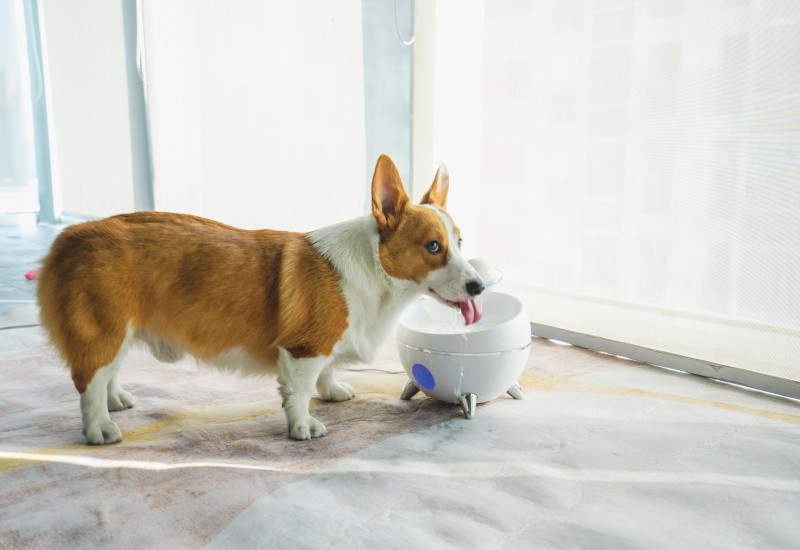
470	311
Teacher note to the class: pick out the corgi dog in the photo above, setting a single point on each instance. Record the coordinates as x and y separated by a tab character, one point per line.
294	304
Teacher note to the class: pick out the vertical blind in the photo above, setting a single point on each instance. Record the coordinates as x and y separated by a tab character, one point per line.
640	169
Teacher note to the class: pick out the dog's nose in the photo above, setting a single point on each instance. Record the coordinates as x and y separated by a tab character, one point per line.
474	288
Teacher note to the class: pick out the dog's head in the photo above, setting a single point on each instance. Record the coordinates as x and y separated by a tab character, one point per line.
422	243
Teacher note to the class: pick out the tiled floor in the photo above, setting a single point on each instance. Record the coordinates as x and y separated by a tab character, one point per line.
23	243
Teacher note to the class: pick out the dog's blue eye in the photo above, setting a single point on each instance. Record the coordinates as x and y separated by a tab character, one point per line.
434	247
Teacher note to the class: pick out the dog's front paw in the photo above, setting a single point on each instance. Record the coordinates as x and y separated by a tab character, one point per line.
103	432
120	401
307	430
337	391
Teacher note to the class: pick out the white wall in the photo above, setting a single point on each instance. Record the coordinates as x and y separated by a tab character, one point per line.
257	110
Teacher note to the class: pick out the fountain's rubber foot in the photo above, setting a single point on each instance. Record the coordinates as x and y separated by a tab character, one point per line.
515	391
468	402
409	390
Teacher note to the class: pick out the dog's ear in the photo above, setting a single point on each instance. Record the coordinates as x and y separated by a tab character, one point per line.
437	194
389	198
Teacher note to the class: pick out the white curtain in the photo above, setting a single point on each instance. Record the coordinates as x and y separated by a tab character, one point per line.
17	163
639	166
257	110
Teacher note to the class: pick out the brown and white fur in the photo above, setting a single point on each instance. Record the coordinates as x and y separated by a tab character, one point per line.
253	301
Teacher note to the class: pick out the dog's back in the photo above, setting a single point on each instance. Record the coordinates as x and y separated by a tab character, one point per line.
199	285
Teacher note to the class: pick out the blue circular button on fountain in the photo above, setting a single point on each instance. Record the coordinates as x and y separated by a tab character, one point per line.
423	376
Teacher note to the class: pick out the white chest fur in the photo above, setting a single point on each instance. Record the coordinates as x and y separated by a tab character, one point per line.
374	299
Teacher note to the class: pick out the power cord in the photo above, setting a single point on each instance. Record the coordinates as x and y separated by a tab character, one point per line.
384	371
19	326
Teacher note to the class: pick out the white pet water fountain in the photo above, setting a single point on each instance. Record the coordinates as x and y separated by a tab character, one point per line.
466	364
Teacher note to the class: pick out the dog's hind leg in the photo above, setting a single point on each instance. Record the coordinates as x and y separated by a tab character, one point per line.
97	425
101	394
117	398
297	378
330	389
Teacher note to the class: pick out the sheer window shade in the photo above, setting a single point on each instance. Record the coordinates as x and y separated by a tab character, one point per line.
640	169
257	110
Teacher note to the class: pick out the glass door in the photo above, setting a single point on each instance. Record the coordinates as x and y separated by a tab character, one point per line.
18	181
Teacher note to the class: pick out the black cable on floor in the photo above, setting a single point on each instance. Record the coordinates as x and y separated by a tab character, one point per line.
19	326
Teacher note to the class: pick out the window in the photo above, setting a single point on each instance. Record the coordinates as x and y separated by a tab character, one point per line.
636	165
